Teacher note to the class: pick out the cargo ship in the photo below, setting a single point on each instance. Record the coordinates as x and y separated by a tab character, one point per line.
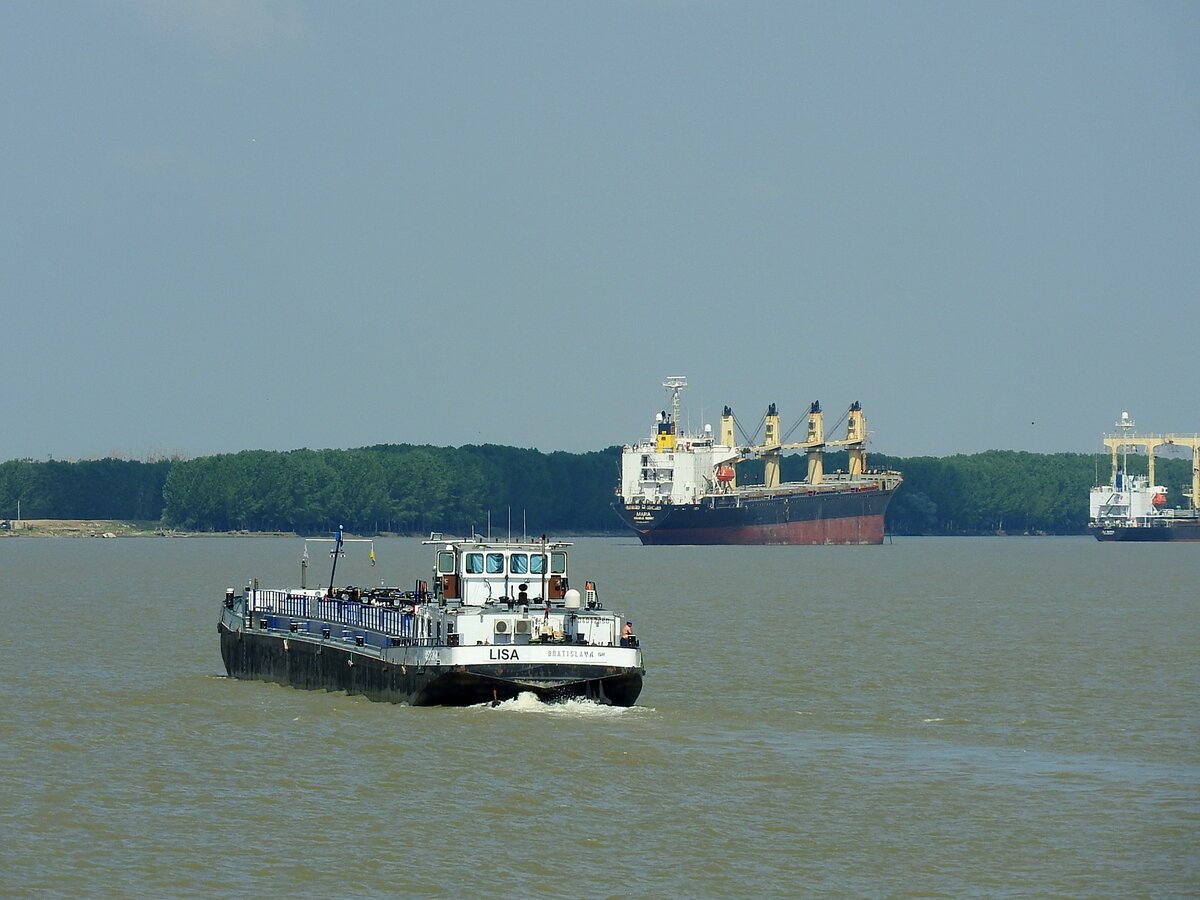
682	488
499	620
1133	507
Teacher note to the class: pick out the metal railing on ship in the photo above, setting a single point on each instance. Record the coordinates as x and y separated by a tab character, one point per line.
393	621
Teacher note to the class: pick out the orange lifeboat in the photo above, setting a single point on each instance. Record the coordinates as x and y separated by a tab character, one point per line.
1160	499
725	474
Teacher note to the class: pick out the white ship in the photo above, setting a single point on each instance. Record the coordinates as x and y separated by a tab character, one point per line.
1133	507
499	621
680	488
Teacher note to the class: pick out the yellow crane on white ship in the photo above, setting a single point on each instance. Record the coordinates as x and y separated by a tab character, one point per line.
814	444
1151	442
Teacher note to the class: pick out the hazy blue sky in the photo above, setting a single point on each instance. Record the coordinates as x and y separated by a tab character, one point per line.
241	224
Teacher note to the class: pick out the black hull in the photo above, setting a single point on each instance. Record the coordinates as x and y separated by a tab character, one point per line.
311	665
785	517
1180	531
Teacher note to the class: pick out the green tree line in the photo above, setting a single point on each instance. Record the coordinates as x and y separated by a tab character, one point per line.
90	489
409	489
392	488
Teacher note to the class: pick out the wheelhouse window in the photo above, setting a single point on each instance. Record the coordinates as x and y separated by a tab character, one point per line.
518	563
474	564
445	562
537	564
495	563
558	563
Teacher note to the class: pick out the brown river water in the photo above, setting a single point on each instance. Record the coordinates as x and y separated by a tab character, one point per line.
933	717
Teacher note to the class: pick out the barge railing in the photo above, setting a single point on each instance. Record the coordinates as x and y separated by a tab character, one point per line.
396	621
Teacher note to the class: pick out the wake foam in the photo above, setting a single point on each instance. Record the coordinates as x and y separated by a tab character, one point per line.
573	708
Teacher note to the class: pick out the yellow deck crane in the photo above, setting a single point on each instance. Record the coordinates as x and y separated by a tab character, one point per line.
814	443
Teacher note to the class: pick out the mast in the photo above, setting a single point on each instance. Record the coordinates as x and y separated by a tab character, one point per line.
665	438
1196	473
727	440
816	443
335	553
771	448
675	384
856	440
1117	444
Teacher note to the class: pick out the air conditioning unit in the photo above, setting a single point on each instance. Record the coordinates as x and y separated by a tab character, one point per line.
523	626
501	626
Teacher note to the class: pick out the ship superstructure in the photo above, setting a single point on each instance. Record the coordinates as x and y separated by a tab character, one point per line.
1134	507
682	488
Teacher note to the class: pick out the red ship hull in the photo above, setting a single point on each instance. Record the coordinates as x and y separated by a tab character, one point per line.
786	517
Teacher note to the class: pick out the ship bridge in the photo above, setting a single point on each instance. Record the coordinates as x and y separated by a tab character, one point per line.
483	571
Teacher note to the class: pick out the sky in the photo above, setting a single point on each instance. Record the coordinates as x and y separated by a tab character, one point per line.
242	224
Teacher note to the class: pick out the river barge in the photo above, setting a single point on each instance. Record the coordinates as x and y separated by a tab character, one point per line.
1133	507
499	620
682	488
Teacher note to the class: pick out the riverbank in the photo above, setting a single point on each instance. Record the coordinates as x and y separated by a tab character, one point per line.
117	528
108	528
94	528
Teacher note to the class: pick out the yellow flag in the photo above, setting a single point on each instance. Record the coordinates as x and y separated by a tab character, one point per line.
372	555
